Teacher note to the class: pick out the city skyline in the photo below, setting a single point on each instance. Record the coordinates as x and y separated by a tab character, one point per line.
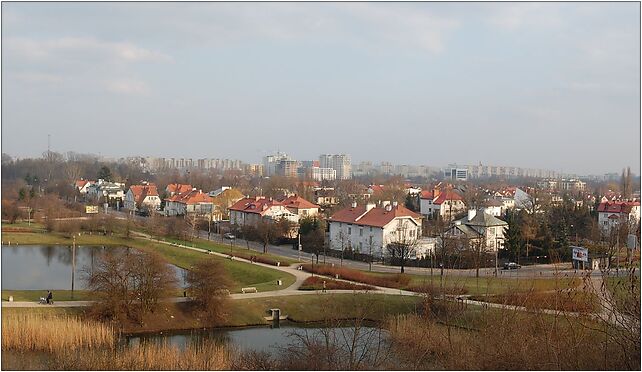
536	85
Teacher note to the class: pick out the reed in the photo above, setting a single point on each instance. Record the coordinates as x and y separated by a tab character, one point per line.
52	333
147	356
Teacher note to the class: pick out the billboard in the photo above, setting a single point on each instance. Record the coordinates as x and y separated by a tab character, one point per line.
580	254
91	209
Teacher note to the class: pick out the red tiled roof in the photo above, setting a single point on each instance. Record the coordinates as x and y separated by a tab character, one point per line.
178	188
81	183
191	197
298	202
142	191
447	195
427	194
376	188
616	207
254	205
378	217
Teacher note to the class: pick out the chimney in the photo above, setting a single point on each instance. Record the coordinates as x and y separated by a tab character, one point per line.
385	203
369	206
395	204
471	214
354	204
388	207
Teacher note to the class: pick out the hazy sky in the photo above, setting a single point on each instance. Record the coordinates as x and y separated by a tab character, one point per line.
546	85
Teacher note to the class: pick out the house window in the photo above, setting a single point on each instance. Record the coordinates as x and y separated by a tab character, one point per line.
360	246
370	228
349	230
361	231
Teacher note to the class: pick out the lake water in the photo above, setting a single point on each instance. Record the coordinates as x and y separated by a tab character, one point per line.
40	267
266	339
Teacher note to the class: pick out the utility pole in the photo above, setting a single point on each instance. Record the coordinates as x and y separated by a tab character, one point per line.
299	247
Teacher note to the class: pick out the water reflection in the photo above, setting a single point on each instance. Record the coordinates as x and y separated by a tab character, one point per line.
36	267
265	339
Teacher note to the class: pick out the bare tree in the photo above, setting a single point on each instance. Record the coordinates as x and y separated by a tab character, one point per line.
404	242
208	286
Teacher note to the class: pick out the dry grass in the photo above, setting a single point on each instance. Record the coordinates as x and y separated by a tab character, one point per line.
147	357
38	332
574	301
510	340
390	281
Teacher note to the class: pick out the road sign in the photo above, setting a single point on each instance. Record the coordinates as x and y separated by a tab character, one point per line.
580	254
632	241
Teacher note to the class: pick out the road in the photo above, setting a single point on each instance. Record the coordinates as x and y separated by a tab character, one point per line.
531	271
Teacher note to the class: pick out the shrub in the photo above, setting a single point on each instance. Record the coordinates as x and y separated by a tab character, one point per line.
391	281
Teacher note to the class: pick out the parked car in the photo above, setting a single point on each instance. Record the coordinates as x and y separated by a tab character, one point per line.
511	265
229	236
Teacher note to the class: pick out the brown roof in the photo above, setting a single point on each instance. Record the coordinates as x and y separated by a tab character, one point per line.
142	191
256	205
616	207
298	202
191	197
447	195
378	216
427	194
178	188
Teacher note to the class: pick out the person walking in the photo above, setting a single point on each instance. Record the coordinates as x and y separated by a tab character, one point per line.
49	297
324	286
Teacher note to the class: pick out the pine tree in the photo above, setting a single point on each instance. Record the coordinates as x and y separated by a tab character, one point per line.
513	237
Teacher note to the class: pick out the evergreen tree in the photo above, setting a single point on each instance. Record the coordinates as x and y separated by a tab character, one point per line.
104	173
513	236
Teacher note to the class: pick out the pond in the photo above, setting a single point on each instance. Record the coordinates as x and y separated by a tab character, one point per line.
265	339
37	267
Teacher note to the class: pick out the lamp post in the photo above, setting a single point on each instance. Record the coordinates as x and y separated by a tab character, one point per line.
496	257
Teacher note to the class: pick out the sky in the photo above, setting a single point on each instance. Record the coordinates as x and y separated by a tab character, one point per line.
538	85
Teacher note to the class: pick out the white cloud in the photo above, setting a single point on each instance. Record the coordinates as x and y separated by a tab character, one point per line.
69	47
127	86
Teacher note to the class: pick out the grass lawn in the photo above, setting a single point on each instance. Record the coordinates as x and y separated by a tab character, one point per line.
626	294
34	296
492	285
316	307
243	274
225	249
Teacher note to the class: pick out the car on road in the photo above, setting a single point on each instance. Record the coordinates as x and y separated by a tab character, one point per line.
511	266
229	236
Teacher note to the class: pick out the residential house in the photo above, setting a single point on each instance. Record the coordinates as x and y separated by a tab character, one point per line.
224	200
193	202
142	197
479	227
446	204
249	211
112	193
612	214
370	228
177	188
300	206
82	185
325	197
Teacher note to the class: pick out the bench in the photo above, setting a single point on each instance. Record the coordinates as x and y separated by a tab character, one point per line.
249	289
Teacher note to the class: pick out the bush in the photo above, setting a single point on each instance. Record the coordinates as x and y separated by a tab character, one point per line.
390	281
208	286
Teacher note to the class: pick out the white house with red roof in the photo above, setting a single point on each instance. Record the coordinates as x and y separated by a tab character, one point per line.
249	211
300	206
446	204
82	185
191	202
612	214
140	197
178	188
370	228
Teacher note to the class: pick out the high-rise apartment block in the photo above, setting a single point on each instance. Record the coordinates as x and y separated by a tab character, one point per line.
339	162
